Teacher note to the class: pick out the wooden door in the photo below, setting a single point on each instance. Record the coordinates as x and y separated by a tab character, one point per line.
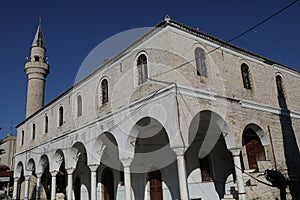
108	185
156	192
255	152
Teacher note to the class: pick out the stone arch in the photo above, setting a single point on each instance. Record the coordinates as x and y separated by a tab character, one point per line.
254	141
210	160
19	169
152	150
161	123
43	168
107	151
77	151
30	166
264	138
57	159
210	121
42	164
58	165
79	161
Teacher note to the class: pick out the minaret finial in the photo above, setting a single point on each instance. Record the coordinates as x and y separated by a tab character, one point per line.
38	40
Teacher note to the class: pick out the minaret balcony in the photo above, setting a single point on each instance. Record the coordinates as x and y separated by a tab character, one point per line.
37	67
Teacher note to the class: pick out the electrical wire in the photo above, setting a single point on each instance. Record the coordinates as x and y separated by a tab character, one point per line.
234	38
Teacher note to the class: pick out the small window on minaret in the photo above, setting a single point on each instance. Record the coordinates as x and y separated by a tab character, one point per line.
36	58
142	69
104	87
22	137
46	124
79	106
33	131
246	76
279	85
200	62
61	116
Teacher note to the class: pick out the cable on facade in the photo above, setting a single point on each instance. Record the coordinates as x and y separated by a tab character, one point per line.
234	38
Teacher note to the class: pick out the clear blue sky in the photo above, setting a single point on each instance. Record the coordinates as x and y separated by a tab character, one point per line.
73	28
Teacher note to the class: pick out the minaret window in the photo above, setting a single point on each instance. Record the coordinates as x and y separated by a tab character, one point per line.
22	137
79	106
104	87
142	69
200	62
279	87
61	116
36	58
46	124
246	76
33	131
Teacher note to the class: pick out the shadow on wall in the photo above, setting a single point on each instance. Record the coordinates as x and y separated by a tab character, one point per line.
291	149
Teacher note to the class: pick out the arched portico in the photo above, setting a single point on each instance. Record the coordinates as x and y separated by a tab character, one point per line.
43	178
30	185
109	172
58	166
151	144
210	164
18	180
81	174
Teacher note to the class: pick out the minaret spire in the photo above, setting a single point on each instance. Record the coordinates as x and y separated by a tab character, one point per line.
38	40
36	70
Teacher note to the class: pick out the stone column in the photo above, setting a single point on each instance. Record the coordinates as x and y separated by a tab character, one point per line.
70	183
127	178
93	169
238	172
38	186
15	191
53	185
184	195
26	190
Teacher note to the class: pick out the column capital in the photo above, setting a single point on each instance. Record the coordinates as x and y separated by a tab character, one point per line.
53	173
126	162
70	170
179	151
93	168
39	175
235	151
27	177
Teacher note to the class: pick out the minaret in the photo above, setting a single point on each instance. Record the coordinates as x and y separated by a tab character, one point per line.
36	70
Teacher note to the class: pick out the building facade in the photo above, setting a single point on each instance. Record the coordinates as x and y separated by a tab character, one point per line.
8	149
178	114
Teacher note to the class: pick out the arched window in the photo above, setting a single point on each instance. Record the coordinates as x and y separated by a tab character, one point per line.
33	131
200	62
79	106
246	76
142	69
279	85
46	124
22	137
255	150
61	116
104	90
